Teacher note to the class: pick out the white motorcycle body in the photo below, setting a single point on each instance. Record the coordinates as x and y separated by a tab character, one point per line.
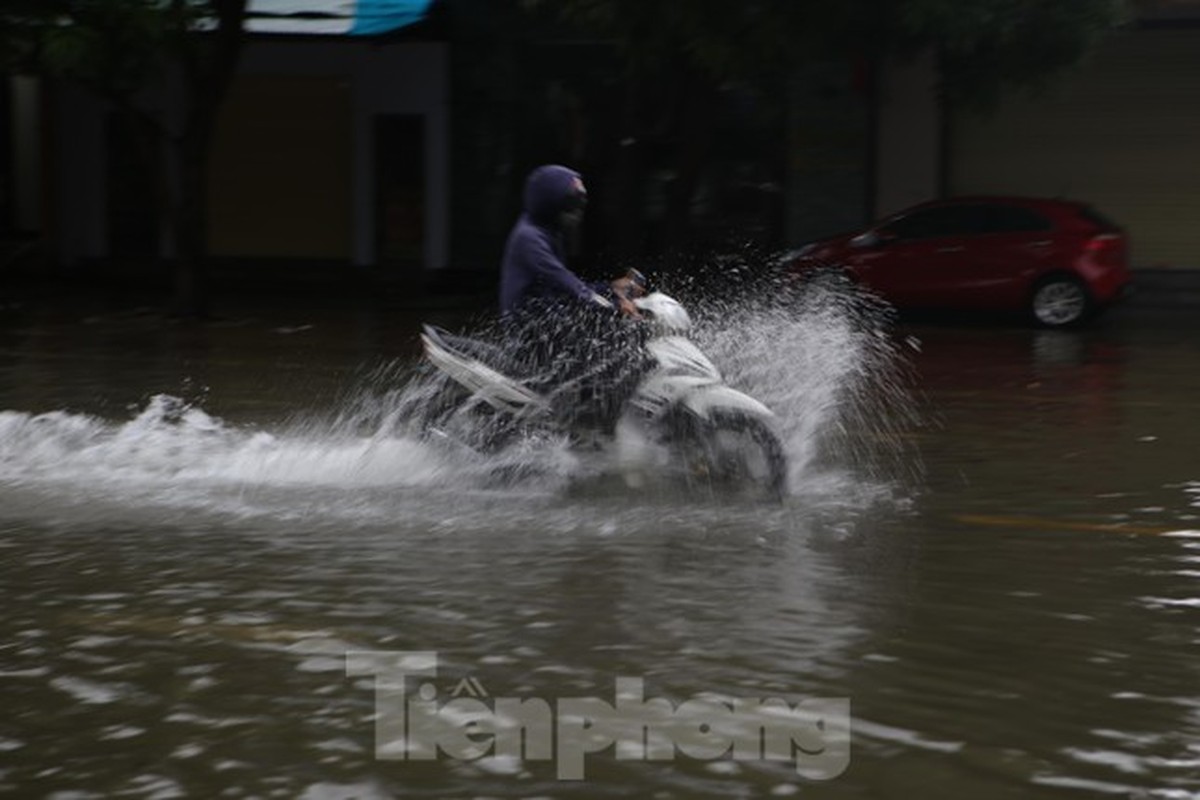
682	384
682	375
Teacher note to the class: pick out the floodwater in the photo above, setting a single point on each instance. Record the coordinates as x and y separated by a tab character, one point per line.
990	548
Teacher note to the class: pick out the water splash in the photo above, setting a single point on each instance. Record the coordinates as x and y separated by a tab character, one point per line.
822	359
170	442
172	459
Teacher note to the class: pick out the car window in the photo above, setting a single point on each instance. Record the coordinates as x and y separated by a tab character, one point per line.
1102	222
928	223
1014	219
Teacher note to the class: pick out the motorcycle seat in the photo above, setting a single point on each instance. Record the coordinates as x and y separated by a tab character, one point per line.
465	347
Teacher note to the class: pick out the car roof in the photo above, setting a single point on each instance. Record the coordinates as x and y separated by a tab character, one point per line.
999	199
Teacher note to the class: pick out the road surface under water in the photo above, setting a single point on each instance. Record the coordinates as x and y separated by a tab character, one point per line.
989	548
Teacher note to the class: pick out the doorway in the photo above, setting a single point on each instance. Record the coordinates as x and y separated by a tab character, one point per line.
400	202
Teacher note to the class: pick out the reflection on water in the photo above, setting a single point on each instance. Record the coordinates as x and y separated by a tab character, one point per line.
196	525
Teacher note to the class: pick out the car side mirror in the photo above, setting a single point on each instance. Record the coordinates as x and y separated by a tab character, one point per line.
867	240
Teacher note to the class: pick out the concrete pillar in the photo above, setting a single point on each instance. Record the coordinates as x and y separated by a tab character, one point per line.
27	154
81	175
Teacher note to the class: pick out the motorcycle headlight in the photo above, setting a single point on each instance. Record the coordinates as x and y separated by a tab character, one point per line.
666	312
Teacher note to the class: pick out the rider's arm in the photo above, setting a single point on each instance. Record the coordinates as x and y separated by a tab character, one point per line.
549	268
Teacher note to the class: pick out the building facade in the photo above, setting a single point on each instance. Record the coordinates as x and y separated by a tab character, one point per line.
330	147
406	153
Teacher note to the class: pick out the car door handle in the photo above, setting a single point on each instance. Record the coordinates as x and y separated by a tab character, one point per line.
950	249
1040	243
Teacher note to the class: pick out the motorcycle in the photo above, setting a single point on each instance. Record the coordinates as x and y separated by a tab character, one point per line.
715	435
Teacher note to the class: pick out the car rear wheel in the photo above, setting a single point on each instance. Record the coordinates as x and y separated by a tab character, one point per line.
1060	301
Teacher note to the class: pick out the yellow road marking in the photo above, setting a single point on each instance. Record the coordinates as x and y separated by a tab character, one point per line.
1042	522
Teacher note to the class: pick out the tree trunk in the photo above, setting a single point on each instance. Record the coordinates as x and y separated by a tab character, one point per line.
208	70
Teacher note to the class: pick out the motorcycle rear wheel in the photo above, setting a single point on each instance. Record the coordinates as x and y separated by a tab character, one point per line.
473	424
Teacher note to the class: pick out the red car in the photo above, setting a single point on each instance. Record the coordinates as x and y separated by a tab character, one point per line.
1057	260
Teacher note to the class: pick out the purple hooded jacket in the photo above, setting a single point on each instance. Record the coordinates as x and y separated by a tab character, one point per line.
533	265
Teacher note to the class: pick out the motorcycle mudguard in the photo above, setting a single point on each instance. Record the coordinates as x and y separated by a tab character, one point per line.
677	355
704	400
699	395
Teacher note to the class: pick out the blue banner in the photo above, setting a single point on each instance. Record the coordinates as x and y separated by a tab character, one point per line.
333	17
380	16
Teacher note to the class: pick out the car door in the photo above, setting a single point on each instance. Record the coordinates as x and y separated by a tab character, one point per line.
1016	245
916	258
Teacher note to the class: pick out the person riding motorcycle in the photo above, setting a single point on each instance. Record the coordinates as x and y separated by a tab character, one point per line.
563	332
534	264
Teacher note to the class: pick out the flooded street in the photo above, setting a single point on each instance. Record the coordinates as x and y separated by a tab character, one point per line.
990	547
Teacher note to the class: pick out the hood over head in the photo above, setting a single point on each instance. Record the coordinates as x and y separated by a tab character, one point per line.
550	190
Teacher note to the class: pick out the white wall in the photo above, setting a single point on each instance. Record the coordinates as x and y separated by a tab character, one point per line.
908	144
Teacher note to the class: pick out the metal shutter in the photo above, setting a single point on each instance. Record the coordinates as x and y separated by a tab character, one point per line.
1121	132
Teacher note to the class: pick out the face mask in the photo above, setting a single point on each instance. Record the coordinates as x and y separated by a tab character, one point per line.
569	220
572	213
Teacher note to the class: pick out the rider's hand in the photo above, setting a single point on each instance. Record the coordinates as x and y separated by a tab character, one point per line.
625	290
627	307
627	287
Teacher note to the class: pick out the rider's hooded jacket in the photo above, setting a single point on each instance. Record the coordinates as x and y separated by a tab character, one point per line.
534	265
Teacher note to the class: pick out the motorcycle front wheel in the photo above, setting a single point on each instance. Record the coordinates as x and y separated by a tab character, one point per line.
738	454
